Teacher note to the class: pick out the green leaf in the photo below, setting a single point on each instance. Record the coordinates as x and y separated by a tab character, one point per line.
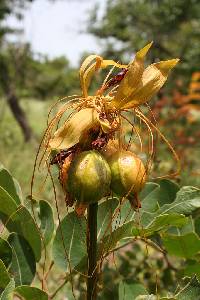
5	252
8	292
23	265
192	268
188	227
4	276
187	200
69	245
148	188
130	291
191	291
161	223
30	293
7	203
183	246
197	225
168	191
74	236
110	241
105	212
46	221
8	183
150	202
18	219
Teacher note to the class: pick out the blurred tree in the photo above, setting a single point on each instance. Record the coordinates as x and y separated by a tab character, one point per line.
51	77
10	64
174	26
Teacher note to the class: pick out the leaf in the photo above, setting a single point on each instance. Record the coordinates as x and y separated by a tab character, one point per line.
130	291
4	276
30	293
191	291
74	233
188	227
164	193
8	183
132	78
18	219
150	202
5	252
23	265
74	129
148	188
7	203
161	223
8	292
105	212
168	191
69	245
153	78
47	221
182	246
187	200
192	268
110	241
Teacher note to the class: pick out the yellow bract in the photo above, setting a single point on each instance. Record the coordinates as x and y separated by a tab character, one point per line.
74	129
132	77
90	65
135	91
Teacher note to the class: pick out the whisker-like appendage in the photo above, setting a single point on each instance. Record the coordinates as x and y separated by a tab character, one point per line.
151	144
75	98
135	130
168	144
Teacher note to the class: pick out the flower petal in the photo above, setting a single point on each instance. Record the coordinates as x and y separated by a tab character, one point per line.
153	78
132	77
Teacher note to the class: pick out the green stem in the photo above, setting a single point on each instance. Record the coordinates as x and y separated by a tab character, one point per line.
92	252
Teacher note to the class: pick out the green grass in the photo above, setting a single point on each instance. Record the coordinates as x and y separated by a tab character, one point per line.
18	157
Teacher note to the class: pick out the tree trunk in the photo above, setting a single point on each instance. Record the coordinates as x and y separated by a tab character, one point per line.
19	115
8	88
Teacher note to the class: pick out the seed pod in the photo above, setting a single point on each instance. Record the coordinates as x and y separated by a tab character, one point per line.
89	177
128	173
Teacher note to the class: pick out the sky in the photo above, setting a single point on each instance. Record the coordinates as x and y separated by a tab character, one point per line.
58	28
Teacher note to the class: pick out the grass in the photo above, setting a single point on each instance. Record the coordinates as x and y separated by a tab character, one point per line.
18	157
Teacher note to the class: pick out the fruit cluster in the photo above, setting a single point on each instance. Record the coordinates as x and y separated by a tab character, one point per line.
92	175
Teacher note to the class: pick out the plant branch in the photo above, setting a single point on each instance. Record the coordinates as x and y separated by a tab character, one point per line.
92	252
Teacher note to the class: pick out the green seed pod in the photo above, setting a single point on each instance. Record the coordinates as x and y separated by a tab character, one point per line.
128	173
89	177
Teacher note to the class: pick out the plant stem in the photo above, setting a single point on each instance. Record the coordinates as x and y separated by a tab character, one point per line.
92	251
